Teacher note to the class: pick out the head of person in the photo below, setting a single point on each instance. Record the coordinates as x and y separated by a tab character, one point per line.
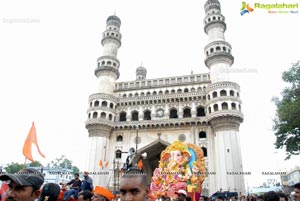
271	196
282	196
24	185
181	195
297	192
85	174
233	198
85	195
50	192
102	194
76	175
219	198
133	186
201	198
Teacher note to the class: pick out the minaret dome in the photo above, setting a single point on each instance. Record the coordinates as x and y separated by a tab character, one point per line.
141	73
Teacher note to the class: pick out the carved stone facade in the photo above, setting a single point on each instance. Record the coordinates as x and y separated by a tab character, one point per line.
149	114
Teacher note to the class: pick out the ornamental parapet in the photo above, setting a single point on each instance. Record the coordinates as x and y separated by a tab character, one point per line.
223	99
163	82
103	96
228	113
222	85
164	96
216	23
101	69
217	57
99	122
158	123
101	108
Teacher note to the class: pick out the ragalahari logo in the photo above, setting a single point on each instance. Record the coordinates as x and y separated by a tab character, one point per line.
245	8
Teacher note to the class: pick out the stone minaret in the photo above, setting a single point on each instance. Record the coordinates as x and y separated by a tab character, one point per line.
223	105
102	105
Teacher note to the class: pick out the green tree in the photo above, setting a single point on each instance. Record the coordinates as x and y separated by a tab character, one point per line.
287	120
35	164
14	167
63	162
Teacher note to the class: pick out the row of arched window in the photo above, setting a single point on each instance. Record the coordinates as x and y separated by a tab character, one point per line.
102	104
214	18
217	49
103	115
168	100
107	63
222	93
173	91
224	106
173	114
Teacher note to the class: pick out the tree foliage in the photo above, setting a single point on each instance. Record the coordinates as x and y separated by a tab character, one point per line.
287	120
16	167
63	162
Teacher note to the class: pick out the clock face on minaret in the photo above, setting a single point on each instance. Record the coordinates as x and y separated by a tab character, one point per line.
160	113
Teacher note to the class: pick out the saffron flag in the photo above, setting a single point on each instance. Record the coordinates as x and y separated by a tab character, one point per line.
31	139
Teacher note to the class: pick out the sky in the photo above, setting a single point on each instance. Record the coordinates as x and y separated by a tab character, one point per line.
49	51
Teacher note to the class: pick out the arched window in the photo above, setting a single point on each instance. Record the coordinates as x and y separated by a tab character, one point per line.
134	116
120	138
209	110
111	105
147	115
199	89
218	48
224	106
110	117
136	95
142	94
160	92
186	90
179	91
104	104
173	114
167	92
214	94
172	91
211	50
91	104
200	112
231	92
216	107
103	115
130	95
154	93
202	135
233	106
148	93
193	89
237	94
187	113
124	95
96	104
123	116
208	97
95	115
89	116
118	154
223	93
204	151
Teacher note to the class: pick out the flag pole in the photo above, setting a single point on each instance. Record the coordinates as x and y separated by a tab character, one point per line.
25	161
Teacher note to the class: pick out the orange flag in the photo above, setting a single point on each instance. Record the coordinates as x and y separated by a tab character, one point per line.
106	164
31	139
100	163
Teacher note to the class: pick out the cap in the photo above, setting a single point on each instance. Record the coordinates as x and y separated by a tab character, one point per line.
181	191
103	191
25	177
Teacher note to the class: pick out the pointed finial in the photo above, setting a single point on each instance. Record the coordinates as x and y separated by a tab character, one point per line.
115	12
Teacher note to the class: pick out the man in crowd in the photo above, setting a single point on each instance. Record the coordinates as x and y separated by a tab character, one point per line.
85	195
133	186
23	186
75	185
87	183
181	195
297	192
102	194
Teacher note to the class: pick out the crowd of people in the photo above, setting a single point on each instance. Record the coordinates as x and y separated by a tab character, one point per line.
27	185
